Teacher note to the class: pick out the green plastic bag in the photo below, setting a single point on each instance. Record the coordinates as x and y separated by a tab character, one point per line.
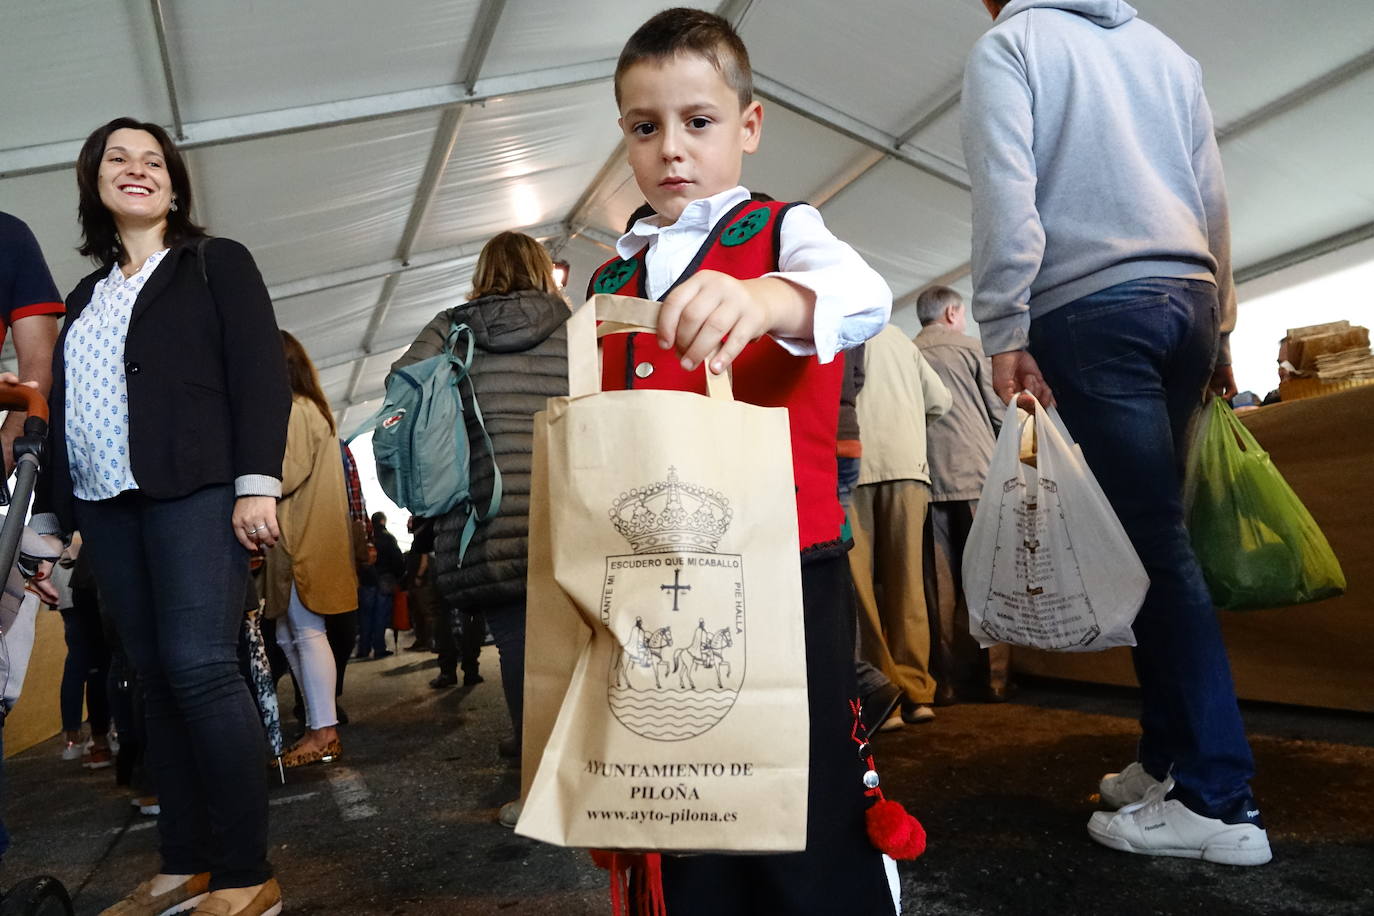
1258	545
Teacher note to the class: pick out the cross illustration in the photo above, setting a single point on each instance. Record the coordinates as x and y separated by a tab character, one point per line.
676	588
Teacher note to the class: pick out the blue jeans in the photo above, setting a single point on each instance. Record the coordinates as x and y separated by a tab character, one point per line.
1128	366
374	616
173	577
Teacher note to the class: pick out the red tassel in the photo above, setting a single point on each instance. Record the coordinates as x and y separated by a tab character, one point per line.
895	832
641	871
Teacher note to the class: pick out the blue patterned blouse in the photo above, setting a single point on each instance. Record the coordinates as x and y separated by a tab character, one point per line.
97	396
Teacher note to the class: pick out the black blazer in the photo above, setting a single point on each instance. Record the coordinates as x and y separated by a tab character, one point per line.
208	394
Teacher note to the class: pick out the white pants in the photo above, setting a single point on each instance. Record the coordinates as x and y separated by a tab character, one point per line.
302	637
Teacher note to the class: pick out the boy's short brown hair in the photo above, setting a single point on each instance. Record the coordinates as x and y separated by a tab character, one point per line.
687	31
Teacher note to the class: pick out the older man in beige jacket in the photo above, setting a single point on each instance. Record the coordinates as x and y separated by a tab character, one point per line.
960	450
901	394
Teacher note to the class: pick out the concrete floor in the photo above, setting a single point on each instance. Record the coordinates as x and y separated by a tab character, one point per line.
405	822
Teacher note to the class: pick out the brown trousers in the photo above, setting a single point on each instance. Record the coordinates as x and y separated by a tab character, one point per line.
955	657
888	520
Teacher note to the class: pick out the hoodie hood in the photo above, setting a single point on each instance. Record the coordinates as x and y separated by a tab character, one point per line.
512	322
1106	13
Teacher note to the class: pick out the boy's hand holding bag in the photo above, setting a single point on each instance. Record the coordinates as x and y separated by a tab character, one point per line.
665	693
1047	564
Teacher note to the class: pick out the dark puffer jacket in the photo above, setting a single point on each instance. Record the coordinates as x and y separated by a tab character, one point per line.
520	361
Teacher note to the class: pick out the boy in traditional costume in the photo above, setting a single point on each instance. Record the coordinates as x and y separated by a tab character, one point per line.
764	289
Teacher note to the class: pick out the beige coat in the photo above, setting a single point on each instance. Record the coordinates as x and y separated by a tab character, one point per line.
901	394
316	546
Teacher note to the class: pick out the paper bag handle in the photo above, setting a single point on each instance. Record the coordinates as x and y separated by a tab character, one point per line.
618	315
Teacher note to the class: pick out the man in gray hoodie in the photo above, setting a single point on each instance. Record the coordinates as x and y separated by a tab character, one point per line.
1102	279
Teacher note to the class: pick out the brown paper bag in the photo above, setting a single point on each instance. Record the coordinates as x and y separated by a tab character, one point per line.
665	600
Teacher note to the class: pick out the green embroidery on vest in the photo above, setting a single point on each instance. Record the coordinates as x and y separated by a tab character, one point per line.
614	276
746	227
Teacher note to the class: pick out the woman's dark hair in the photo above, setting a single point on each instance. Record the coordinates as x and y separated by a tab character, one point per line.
304	380
99	239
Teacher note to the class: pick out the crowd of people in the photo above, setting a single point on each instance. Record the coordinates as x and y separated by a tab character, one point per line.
191	436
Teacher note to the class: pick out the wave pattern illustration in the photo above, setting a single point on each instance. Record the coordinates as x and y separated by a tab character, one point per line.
671	714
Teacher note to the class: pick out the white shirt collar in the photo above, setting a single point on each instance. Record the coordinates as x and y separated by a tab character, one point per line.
699	215
116	274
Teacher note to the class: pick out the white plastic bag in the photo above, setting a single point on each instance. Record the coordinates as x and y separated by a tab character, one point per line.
1047	564
18	618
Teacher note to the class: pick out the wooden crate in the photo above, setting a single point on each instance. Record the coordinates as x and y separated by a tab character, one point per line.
1295	389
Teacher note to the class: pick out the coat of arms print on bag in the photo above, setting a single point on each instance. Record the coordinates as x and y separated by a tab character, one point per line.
679	661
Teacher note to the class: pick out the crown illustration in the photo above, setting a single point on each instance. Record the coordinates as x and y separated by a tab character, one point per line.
671	515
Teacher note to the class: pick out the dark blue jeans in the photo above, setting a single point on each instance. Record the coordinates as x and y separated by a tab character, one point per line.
1128	366
374	616
173	577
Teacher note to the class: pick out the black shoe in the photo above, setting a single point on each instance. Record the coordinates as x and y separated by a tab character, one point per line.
999	693
472	679
444	680
509	747
878	706
343	716
382	653
945	695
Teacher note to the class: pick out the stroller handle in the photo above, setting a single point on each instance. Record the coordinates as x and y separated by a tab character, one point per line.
25	398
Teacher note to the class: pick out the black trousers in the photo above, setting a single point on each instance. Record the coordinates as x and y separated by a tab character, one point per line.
840	872
458	638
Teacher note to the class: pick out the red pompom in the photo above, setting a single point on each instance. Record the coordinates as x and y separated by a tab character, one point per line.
895	832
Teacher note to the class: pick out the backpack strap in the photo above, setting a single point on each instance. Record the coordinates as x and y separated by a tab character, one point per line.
463	364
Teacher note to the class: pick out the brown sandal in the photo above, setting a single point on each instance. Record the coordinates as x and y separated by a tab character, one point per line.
298	756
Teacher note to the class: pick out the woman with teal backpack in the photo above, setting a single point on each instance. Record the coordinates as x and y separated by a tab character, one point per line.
516	313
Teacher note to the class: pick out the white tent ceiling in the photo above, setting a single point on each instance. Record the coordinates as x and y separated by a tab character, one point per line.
365	151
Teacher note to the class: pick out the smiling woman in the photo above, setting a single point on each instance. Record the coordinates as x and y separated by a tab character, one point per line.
131	172
169	409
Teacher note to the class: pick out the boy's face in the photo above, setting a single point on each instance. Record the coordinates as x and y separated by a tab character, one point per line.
685	131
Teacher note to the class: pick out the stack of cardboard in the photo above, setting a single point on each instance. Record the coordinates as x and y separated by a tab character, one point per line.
1328	357
1354	363
1339	338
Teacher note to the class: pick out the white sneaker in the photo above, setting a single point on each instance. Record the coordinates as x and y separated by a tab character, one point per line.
510	813
73	750
894	722
1157	826
1127	787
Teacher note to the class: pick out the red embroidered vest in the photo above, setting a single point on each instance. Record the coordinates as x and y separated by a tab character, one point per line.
744	244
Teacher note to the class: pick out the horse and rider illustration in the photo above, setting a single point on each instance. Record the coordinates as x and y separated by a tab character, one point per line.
706	650
642	649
